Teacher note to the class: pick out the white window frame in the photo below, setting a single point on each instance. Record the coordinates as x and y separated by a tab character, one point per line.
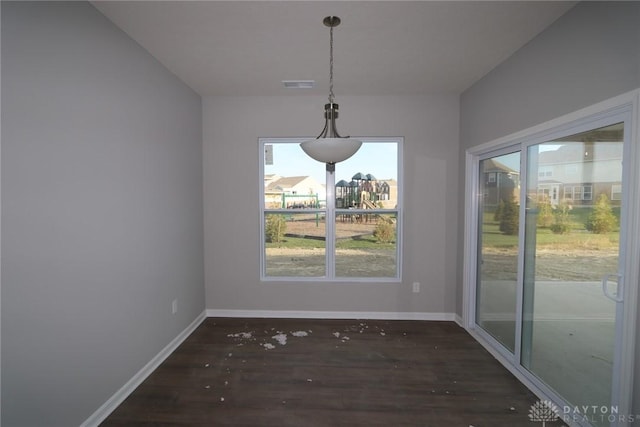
331	212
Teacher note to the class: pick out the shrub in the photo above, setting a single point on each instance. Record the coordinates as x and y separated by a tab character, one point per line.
385	232
275	228
561	223
602	220
545	213
510	217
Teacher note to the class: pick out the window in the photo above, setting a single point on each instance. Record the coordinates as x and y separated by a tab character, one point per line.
616	192
578	192
543	193
571	169
545	172
330	227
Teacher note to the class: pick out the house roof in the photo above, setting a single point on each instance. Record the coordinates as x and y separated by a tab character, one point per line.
290	182
493	165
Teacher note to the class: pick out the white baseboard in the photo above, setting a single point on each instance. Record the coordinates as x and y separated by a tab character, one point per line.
458	320
119	396
371	315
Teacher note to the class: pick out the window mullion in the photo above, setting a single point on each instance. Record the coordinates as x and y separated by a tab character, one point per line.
330	226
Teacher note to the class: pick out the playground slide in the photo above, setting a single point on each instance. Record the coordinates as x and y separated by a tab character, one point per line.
368	204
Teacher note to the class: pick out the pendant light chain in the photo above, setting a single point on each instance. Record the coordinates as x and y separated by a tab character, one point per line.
331	95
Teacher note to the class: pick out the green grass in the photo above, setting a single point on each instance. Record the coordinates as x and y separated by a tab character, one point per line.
577	238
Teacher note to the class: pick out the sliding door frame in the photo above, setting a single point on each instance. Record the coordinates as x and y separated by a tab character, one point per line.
627	104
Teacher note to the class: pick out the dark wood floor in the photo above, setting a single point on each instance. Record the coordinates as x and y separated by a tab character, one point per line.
342	373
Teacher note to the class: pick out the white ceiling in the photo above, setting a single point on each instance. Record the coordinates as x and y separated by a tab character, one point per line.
381	47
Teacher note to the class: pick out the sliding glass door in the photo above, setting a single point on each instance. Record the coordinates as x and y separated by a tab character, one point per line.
499	180
552	257
572	265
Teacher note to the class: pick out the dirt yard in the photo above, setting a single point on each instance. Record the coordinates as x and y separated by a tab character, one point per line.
572	265
290	262
310	262
345	228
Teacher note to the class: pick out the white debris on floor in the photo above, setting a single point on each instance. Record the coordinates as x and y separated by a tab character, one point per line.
243	335
336	334
280	338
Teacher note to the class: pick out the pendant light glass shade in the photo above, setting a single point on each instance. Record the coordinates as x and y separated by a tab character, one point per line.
329	147
331	150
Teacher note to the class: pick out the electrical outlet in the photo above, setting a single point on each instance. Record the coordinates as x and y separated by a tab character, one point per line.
174	306
416	287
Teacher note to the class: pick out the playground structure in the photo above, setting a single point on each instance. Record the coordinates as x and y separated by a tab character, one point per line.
363	192
361	188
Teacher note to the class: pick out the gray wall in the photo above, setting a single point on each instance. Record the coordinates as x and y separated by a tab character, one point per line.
590	54
232	238
101	211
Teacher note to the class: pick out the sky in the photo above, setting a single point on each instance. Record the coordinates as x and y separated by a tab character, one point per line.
513	160
377	158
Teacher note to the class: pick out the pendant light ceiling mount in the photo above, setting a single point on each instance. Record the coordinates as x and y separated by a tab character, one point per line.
329	147
331	21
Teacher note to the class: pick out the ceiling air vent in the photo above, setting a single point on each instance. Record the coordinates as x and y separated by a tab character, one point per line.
298	84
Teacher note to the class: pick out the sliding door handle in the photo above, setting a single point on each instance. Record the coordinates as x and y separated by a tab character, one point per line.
617	297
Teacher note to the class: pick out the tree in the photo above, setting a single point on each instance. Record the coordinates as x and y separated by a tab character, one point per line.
510	217
602	220
497	215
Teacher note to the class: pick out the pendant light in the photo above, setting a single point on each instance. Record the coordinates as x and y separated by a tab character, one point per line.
329	147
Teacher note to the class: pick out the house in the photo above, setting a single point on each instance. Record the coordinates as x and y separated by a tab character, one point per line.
501	183
128	197
570	174
301	191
